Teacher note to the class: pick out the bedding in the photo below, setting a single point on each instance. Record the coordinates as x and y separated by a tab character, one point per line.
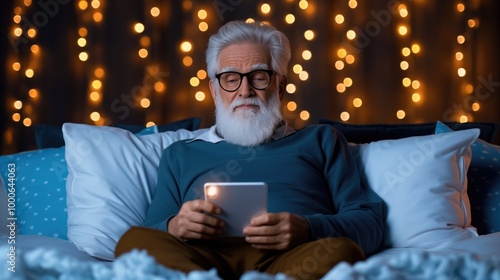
476	258
93	200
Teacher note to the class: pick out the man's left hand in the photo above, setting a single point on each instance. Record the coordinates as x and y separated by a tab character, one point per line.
277	231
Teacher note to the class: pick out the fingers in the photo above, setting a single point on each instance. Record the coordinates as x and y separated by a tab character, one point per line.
275	242
268	231
265	219
277	231
194	222
201	206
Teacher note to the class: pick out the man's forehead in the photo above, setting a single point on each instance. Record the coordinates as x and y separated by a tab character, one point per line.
253	67
244	55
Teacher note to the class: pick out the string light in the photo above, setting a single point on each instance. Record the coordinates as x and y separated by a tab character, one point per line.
339	19
155	11
346	79
16	117
309	35
25	59
90	16
203	26
462	63
194	82
400	114
291	88
201	74
187	61
303	4
200	96
139	27
357	102
291	106
409	51
16	66
186	46
265	8
304	115
306	55
35	49
145	103
345	116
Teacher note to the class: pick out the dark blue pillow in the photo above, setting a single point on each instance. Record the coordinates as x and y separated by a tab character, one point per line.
189	124
483	184
48	136
366	133
51	136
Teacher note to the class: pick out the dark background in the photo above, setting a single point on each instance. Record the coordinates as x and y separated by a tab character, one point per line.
64	82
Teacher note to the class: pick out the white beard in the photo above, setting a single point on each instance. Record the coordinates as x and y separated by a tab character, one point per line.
249	127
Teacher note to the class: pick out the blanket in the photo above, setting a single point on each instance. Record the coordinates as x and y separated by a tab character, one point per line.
47	264
420	265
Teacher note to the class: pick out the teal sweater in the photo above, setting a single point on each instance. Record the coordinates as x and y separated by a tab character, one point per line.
309	173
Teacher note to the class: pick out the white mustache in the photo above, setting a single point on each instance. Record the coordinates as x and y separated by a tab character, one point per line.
248	101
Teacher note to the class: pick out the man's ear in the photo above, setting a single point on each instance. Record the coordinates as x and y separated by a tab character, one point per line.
212	91
282	86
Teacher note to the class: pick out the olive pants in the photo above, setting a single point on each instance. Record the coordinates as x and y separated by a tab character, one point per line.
233	256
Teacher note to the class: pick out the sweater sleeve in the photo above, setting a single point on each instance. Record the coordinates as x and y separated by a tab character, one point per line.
159	211
359	211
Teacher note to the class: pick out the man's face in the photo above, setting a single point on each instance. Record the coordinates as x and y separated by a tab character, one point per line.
244	58
247	116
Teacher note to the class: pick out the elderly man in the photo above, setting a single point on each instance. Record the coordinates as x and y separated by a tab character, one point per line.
319	213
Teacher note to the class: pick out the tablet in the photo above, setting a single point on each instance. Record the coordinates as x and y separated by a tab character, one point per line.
239	202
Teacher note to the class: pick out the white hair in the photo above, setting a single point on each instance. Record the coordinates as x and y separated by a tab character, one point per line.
235	32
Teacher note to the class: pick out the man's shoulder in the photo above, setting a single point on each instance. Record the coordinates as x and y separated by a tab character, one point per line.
321	132
318	129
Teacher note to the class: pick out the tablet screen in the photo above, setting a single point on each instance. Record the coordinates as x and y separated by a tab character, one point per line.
239	202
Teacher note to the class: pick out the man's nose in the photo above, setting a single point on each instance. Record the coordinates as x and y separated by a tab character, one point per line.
245	89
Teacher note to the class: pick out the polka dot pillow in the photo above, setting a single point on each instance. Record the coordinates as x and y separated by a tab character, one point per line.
41	206
40	189
483	184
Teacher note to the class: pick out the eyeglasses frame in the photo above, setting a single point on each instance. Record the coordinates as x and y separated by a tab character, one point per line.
247	74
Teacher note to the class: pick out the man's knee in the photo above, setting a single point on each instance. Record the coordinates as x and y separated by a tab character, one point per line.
318	257
133	238
344	248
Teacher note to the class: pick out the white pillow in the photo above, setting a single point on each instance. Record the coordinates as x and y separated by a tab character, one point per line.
112	174
423	181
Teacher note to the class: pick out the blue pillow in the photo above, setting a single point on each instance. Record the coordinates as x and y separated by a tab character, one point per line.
483	184
41	189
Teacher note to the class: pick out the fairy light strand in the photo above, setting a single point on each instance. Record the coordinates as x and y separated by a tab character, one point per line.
345	57
464	65
202	20
25	62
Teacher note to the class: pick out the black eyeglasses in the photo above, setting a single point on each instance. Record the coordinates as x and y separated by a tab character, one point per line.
231	81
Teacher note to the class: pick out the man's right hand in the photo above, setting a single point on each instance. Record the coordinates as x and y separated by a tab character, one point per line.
193	222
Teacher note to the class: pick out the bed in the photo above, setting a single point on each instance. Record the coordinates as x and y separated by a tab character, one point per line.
70	202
